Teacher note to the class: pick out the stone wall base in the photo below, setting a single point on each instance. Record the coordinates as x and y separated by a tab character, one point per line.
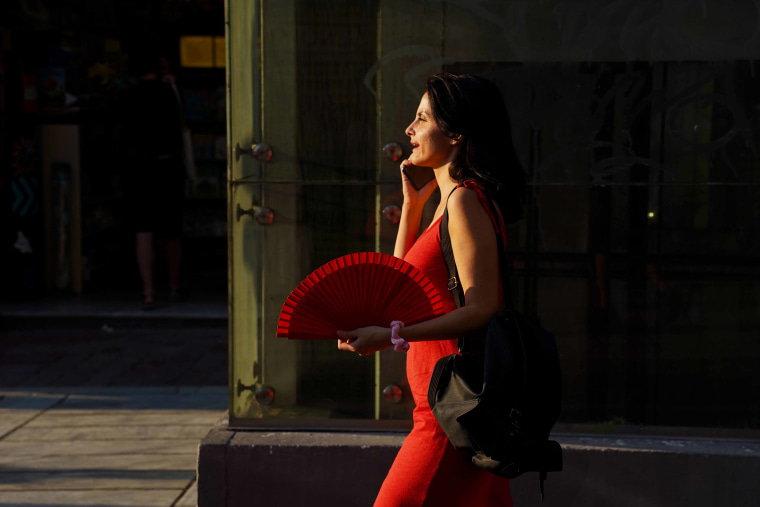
271	469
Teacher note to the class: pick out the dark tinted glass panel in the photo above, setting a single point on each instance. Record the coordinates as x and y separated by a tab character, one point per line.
639	246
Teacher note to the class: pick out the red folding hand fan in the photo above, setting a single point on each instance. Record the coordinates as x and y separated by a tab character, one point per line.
358	290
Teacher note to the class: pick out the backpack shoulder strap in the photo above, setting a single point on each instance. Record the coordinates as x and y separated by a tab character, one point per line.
448	254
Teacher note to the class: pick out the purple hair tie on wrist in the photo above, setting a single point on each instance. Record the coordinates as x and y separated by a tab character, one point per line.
399	344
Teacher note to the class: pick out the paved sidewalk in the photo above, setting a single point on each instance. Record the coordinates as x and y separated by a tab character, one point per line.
105	411
109	446
111	352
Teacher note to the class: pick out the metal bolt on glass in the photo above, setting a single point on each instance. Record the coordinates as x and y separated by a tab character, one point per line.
262	152
259	151
393	393
393	151
262	214
392	213
265	395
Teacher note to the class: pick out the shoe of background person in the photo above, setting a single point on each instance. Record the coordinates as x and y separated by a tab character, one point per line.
148	302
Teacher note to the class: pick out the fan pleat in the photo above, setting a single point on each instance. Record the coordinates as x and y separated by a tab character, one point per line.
408	311
376	293
333	296
358	290
392	299
342	281
344	284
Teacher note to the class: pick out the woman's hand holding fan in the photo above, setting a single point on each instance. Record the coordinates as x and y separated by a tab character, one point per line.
361	292
365	340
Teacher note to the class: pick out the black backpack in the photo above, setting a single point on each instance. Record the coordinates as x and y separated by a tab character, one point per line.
500	397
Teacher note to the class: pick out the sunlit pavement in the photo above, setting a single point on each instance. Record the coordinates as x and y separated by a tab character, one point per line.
108	416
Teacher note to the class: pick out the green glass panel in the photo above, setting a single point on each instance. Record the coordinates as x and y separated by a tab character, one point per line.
312	225
639	243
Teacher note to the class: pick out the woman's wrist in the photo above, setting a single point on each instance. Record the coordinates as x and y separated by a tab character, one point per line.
381	339
412	214
399	344
413	207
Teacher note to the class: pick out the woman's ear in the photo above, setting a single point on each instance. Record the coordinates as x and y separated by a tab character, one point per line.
456	139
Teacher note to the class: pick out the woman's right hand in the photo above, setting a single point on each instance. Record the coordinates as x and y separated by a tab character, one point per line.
412	196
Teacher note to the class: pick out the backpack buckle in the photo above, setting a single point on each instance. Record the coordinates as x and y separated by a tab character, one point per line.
452	283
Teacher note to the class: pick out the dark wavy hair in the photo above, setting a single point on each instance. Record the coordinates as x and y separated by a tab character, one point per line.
472	107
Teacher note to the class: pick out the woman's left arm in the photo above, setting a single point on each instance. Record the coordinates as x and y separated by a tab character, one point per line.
474	244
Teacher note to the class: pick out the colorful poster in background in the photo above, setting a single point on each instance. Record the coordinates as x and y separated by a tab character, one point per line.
220	52
202	51
196	51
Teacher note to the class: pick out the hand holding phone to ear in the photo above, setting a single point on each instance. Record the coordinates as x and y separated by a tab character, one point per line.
418	183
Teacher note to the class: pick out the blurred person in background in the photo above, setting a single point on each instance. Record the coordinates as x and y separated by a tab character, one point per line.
156	159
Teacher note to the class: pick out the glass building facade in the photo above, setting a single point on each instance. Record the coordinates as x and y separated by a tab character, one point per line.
638	125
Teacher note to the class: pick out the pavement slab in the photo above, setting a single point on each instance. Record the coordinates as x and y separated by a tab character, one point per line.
57	463
128	354
52	373
96	479
72	418
189	498
107	415
145	402
112	391
93	448
90	498
108	433
107	446
17	410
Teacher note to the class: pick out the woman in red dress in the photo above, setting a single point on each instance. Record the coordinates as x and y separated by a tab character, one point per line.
462	131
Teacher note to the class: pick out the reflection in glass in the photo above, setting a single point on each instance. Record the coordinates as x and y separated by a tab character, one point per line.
640	243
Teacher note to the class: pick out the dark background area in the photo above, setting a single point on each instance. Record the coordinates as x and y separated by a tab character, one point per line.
64	63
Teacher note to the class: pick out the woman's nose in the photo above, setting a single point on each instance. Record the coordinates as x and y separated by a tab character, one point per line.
409	130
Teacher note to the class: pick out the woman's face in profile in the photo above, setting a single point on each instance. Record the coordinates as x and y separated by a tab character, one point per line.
430	146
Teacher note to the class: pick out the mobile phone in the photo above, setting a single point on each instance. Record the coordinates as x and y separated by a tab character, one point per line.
418	176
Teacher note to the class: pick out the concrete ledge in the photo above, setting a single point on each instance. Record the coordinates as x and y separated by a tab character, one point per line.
265	469
636	471
212	466
252	469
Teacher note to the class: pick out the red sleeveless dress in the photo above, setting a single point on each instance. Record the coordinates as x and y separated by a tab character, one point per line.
428	471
